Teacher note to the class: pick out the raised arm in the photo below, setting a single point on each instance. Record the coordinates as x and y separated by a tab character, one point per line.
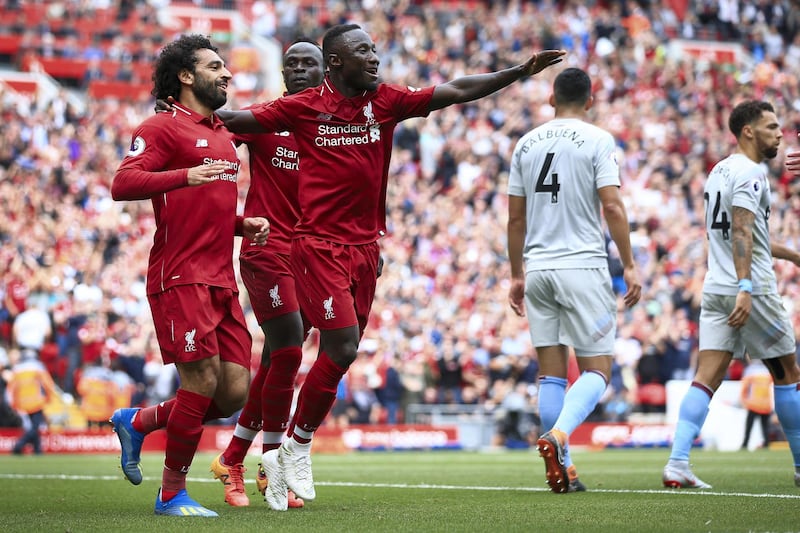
468	88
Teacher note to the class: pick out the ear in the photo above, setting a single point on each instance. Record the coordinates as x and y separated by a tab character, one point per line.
552	100
334	60
589	103
186	77
747	131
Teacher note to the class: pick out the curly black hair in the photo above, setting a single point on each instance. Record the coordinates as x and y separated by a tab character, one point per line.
174	57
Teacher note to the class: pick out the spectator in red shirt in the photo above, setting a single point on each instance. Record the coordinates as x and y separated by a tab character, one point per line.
186	163
344	135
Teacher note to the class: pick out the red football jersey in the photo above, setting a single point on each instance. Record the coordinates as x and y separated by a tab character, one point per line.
193	242
345	146
275	171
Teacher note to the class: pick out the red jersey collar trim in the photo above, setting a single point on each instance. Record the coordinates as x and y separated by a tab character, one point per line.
197	117
327	84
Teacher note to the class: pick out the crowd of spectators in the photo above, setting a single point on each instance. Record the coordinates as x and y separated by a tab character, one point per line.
441	330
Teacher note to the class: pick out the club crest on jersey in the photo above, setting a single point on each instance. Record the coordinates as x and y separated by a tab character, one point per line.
368	114
201	143
137	147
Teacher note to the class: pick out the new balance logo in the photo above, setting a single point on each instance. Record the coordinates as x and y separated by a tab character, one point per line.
324	116
201	143
327	304
189	338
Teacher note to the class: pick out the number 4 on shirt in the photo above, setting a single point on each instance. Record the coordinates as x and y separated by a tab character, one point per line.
719	221
553	187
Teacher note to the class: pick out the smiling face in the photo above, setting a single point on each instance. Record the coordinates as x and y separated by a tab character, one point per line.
210	80
355	62
302	67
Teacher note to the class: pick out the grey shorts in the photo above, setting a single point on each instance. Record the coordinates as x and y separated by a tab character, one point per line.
768	333
573	307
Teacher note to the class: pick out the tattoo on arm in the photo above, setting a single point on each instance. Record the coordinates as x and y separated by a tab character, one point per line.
742	240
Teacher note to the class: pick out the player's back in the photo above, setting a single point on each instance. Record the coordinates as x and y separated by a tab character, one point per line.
558	167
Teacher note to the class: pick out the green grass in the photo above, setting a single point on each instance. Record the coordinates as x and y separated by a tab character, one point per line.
418	491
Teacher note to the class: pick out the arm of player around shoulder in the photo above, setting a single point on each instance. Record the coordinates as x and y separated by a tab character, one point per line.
780	251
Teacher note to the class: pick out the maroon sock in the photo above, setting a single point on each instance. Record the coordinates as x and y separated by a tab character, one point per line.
278	390
249	418
154	417
317	394
184	428
213	412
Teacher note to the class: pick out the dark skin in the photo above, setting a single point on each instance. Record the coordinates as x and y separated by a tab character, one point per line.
352	69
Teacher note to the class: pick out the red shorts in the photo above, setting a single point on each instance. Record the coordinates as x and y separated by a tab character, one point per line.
195	322
335	283
270	284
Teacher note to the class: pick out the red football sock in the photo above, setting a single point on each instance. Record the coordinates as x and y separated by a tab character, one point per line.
249	418
317	394
184	428
154	417
278	390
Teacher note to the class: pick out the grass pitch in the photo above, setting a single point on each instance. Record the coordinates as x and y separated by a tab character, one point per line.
442	491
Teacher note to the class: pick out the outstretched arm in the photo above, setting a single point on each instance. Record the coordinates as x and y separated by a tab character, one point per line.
476	86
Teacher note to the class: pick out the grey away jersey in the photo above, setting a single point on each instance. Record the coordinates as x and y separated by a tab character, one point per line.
737	181
558	168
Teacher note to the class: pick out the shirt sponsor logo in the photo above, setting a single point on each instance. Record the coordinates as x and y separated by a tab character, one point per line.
229	165
347	134
189	338
286	159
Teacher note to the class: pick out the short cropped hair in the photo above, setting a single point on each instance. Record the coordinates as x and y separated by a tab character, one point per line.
331	38
572	86
746	113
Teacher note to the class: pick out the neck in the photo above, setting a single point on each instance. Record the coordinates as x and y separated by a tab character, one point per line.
751	152
346	90
189	101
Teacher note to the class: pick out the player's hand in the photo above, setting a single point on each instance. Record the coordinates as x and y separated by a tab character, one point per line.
255	229
634	292
741	311
793	163
516	296
202	174
165	106
541	60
